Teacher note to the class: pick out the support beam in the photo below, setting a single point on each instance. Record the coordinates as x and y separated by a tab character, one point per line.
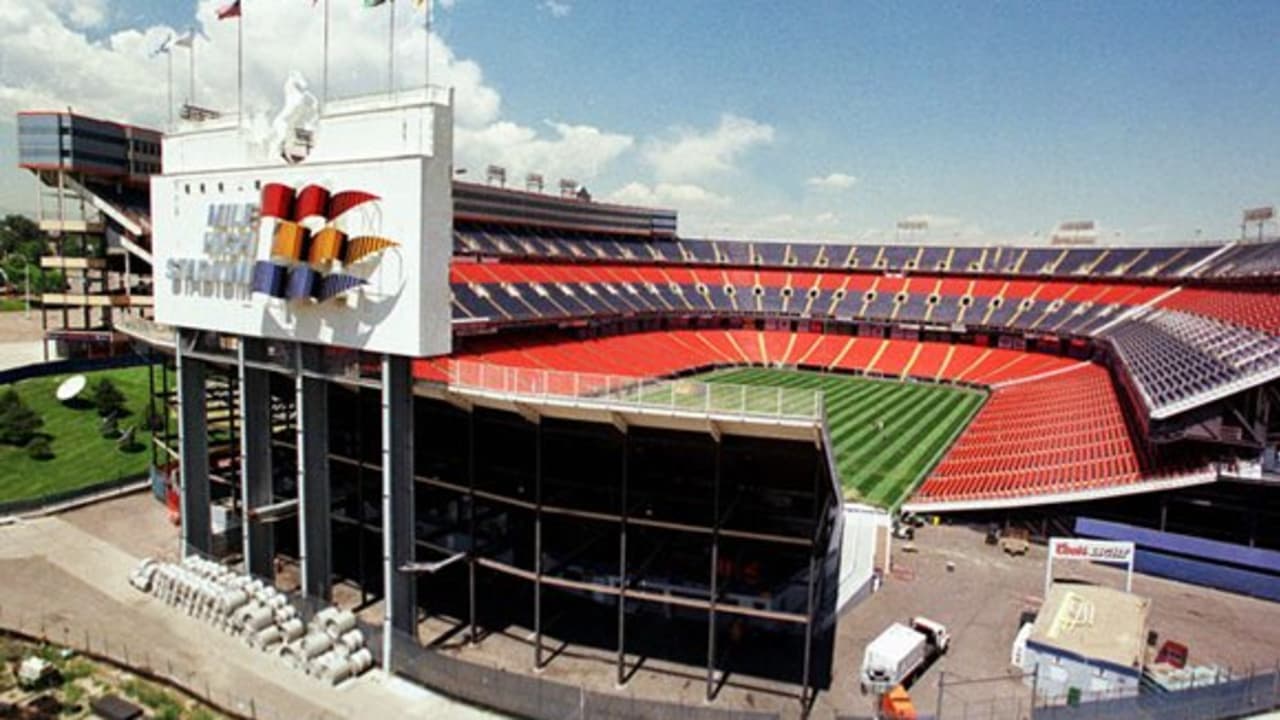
537	547
715	573
622	562
258	537
398	549
314	542
471	525
193	442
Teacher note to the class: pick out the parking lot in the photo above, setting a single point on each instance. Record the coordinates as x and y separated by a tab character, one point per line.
982	597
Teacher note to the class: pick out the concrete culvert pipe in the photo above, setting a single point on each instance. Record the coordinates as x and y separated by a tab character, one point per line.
340	623
292	629
352	640
360	660
315	644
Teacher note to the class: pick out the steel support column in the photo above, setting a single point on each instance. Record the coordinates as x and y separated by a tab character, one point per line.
398	549
471	526
715	572
258	538
314	505
622	564
819	511
193	443
537	547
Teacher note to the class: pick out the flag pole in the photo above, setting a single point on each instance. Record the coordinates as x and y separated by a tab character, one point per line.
324	83
240	66
426	62
391	56
191	78
169	58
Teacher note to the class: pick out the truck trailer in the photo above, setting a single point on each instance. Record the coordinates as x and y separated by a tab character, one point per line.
900	653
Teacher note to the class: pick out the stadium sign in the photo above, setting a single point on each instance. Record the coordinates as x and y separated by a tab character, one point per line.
350	248
1092	550
1261	214
1112	552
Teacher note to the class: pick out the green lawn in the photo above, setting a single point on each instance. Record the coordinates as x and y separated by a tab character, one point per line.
81	456
877	466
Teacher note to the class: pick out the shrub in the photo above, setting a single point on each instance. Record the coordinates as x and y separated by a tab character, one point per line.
39	448
18	423
108	398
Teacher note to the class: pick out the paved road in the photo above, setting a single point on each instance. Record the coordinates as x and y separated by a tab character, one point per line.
65	576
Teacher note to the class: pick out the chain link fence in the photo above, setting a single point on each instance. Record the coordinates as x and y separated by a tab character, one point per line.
530	696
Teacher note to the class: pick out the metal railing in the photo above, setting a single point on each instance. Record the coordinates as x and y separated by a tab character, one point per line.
675	396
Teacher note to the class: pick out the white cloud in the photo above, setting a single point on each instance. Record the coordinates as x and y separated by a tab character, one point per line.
833	181
557	8
115	76
81	13
577	151
693	154
672	195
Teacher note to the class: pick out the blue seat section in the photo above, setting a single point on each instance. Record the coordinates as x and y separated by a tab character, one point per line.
881	307
771	254
934	257
1154	260
771	301
946	311
966	259
864	256
738	253
1213	563
1114	261
895	257
1078	261
804	255
513	307
914	308
1037	260
698	250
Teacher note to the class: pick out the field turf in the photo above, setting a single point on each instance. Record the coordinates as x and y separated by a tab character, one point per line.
886	435
81	455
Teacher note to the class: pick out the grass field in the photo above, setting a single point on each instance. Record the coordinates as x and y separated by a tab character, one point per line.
881	466
81	456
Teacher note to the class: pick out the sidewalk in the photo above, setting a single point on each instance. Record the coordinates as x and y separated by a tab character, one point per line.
70	585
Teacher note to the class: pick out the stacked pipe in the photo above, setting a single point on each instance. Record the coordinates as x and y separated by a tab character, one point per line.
330	647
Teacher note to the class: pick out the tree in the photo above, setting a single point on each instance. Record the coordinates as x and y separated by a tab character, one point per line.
108	398
18	423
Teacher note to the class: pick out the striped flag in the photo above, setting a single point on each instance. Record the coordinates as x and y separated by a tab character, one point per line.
229	11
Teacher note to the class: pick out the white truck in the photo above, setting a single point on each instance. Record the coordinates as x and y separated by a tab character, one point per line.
900	653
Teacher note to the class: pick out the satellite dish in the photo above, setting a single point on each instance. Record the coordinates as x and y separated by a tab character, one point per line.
70	388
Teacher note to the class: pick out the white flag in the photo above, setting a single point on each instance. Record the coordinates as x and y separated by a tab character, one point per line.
186	40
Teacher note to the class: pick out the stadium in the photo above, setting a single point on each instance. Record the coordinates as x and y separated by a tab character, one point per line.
535	442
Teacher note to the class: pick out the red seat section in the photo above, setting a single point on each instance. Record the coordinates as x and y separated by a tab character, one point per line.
1258	309
653	354
1056	434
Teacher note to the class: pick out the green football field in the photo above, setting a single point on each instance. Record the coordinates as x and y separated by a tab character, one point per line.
885	435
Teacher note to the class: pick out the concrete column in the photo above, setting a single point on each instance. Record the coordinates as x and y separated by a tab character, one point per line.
401	588
314	506
193	444
255	459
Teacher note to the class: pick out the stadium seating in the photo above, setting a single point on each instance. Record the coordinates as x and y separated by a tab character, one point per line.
1056	434
1178	360
521	292
1241	260
1259	309
654	354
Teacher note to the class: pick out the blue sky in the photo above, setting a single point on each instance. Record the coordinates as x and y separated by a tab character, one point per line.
835	119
